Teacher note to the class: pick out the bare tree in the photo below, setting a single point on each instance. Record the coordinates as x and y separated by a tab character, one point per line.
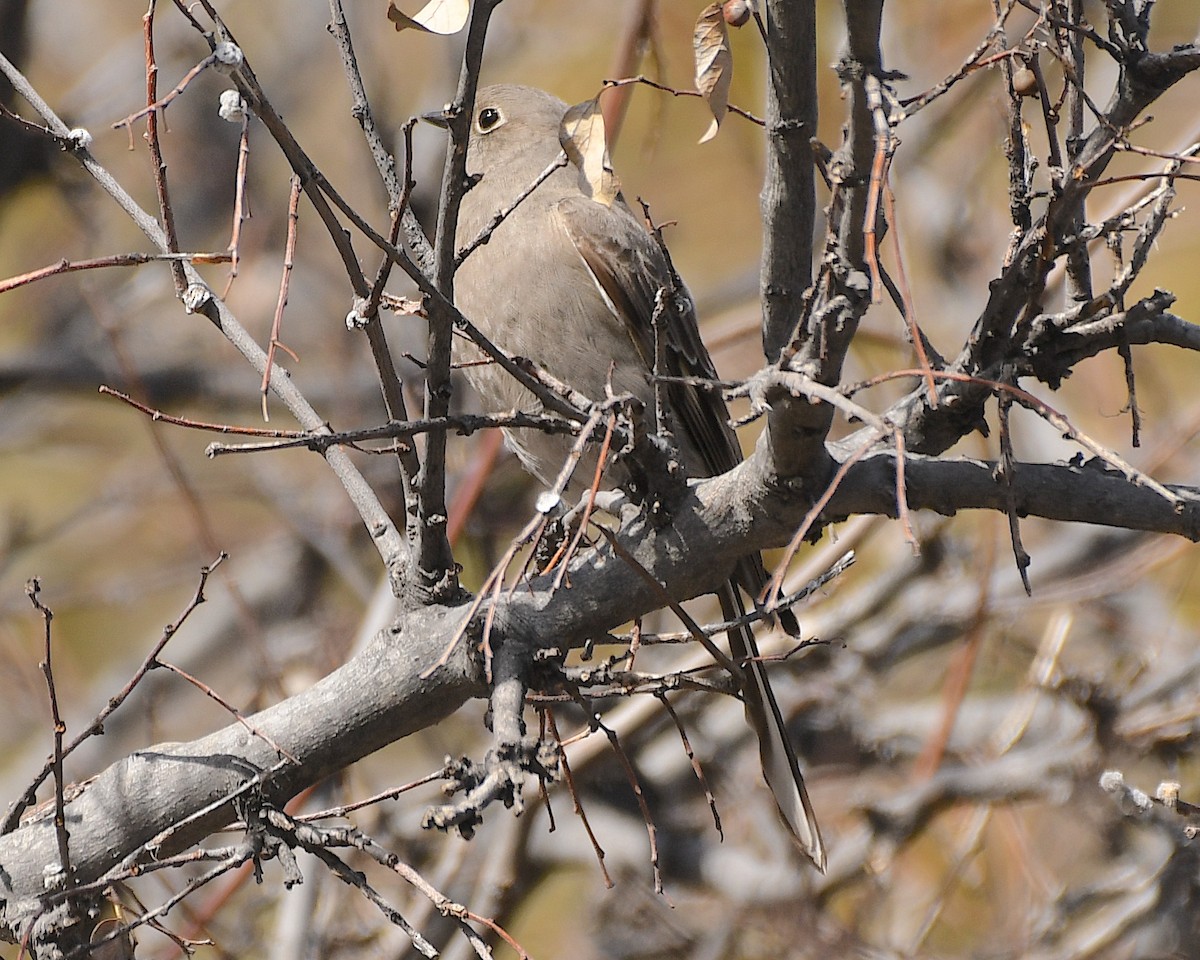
1060	283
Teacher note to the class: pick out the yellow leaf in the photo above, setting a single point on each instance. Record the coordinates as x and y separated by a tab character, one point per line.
714	64
437	16
582	137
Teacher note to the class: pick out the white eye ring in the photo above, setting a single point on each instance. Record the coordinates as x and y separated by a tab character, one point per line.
488	119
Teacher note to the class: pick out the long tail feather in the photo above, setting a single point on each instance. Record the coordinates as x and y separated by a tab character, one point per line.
781	769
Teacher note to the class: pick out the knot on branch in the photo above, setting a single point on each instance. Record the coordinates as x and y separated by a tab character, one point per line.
655	475
499	777
1129	26
432	587
268	837
787	127
63	930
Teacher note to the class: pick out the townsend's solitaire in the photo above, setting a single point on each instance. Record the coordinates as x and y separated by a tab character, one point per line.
571	283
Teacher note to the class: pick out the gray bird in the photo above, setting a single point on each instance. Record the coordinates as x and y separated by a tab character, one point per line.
571	283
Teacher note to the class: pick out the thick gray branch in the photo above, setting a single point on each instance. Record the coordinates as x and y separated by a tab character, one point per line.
380	696
375	699
796	431
788	198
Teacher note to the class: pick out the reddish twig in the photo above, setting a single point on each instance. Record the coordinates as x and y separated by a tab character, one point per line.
879	163
696	768
233	711
601	457
156	105
569	779
289	259
113	260
241	206
491	586
158	415
910	312
165	211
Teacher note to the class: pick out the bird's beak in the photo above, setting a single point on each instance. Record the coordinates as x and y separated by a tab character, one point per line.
439	118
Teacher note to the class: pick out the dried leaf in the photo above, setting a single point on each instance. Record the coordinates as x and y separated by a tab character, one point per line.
714	64
582	137
406	306
437	16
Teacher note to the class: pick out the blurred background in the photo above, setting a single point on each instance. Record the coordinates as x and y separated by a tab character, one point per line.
954	730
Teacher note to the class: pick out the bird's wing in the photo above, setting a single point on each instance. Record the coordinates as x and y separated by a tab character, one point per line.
629	270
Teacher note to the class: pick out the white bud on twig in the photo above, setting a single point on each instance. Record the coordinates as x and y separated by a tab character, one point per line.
80	137
229	56
356	319
233	107
195	297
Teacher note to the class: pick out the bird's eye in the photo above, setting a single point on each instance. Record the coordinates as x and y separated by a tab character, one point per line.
489	117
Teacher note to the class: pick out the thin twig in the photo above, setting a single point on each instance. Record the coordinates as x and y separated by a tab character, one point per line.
910	314
485	234
676	92
13	818
577	804
289	259
64	875
114	260
155	105
696	631
696	768
237	714
165	212
241	204
634	785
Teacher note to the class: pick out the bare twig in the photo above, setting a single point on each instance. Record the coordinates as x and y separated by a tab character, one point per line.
63	876
115	260
13	818
577	804
285	279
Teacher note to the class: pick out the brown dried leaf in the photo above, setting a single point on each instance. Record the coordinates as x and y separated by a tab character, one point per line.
714	64
405	306
437	16
582	137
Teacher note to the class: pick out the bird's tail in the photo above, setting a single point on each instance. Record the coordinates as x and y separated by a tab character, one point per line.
781	770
